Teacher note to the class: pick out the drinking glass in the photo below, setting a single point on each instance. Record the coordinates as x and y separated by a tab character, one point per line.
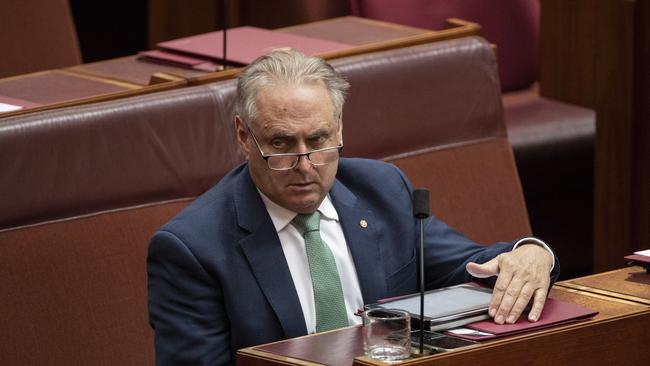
387	334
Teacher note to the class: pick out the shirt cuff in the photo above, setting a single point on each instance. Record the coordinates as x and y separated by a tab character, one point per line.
531	240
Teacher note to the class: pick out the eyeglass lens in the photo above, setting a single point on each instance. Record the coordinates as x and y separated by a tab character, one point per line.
316	158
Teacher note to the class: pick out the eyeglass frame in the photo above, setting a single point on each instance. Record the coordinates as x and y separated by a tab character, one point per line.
266	157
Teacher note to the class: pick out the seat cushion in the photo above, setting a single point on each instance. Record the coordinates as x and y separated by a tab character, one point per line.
538	126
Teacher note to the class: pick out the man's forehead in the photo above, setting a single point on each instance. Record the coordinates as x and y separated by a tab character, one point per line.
283	92
294	102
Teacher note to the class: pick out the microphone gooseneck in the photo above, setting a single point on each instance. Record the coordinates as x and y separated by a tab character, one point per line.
421	212
224	24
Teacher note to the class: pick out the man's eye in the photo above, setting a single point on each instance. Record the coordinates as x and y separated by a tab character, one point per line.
318	140
278	144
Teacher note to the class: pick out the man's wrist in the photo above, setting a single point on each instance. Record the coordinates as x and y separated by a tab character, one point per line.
535	241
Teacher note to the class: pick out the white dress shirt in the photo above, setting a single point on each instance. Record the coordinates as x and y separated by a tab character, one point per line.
293	246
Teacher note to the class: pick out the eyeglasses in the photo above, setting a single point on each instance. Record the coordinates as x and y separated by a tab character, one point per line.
287	161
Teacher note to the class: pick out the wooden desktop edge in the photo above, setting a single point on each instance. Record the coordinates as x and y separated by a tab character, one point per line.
460	28
569	285
274	359
284	360
98	98
425	360
376	22
499	342
256	357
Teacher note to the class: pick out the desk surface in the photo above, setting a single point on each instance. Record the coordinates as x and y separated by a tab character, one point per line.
349	30
56	86
624	324
127	76
354	30
132	70
631	283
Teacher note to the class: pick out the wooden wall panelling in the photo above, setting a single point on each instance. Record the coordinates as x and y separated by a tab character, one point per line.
595	54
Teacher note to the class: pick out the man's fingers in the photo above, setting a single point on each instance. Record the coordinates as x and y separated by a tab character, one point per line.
510	296
520	304
498	292
485	270
539	299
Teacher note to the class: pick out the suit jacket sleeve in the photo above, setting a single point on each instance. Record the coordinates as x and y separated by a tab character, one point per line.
186	306
447	252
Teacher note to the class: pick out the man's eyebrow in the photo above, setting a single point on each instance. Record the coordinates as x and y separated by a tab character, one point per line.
281	135
320	132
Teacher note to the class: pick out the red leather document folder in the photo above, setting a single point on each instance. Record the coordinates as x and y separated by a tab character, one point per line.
555	312
245	44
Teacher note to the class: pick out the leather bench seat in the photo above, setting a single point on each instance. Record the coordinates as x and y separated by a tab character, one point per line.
541	128
84	188
552	141
553	144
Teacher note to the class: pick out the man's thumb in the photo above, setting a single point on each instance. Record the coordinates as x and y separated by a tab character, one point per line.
485	270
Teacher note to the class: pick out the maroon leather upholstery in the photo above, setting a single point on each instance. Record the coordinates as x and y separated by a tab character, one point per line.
37	35
116	154
435	111
513	25
552	141
74	291
83	188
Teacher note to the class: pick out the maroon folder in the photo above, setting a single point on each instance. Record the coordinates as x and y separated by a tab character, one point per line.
555	312
245	44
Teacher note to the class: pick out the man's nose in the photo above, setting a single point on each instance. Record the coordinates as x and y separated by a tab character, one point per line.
303	163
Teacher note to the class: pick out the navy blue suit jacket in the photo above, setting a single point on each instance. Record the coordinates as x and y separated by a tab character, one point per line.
219	281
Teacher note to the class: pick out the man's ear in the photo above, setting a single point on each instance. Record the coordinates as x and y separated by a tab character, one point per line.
242	136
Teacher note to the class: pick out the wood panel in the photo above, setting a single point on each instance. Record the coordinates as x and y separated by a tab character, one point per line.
596	54
631	283
171	19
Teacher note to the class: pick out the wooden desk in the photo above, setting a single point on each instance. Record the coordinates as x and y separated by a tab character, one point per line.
60	88
365	34
128	76
130	69
617	335
631	283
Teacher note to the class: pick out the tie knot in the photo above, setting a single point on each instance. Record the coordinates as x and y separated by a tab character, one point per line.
308	222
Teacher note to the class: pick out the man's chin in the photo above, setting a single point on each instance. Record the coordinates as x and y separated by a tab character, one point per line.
305	206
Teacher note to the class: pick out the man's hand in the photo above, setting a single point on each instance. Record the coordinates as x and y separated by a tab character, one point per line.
522	274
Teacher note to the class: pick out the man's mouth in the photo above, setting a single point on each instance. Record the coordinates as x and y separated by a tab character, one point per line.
301	185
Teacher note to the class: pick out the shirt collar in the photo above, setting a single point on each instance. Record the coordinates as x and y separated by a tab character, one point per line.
281	217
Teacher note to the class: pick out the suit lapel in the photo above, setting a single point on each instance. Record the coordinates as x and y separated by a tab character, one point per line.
264	253
363	235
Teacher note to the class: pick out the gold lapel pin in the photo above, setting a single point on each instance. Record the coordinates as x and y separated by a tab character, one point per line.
363	223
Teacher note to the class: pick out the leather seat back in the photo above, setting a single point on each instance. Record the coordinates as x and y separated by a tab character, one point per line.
435	111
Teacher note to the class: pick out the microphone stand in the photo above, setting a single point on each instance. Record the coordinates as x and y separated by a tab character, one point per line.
224	24
421	212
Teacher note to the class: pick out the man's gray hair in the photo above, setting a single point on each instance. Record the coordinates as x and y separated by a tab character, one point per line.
287	67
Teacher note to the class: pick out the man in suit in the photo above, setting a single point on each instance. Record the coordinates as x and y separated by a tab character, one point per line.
296	239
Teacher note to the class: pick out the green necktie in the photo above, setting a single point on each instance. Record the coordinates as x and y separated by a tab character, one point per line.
328	293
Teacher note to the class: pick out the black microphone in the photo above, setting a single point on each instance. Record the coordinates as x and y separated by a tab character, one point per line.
421	212
421	203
